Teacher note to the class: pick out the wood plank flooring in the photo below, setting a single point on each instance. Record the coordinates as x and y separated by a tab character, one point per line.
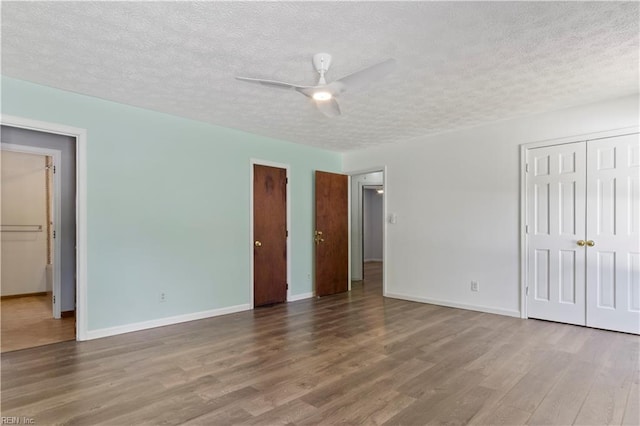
353	358
27	322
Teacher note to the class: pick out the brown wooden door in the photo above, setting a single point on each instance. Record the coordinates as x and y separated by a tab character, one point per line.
270	235
332	233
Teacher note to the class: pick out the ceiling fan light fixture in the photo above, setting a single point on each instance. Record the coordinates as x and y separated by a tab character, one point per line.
325	96
322	95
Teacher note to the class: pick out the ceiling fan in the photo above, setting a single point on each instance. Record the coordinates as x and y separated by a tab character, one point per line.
324	95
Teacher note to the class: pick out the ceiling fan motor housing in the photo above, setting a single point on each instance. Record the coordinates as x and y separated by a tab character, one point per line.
322	62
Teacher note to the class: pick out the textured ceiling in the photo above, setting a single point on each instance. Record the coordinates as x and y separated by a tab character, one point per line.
460	64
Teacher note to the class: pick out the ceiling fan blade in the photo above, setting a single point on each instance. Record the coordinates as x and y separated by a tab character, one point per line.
273	83
330	108
307	91
363	77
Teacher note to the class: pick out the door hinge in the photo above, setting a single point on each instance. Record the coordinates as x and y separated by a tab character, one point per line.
54	234
286	233
286	180
526	291
526	229
287	286
54	299
526	167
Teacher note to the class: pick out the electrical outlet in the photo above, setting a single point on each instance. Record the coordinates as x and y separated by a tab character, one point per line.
475	286
163	297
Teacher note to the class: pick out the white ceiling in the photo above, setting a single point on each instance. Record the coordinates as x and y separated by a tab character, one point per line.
460	64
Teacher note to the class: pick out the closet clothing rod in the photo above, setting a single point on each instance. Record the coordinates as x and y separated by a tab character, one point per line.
21	228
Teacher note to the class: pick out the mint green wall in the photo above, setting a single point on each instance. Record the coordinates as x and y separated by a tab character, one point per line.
168	205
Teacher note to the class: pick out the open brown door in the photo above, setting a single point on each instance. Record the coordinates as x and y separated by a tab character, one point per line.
332	233
270	235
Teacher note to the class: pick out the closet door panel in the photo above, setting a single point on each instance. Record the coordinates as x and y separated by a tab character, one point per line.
613	237
556	222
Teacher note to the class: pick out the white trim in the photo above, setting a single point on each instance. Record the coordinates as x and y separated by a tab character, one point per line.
286	167
57	207
479	308
523	232
302	296
359	219
582	137
81	207
385	240
524	153
348	233
161	322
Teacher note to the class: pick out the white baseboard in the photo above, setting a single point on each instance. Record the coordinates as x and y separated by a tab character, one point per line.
302	296
372	260
479	308
161	322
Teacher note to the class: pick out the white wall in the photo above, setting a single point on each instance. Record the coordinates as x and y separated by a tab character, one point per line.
357	181
456	197
372	225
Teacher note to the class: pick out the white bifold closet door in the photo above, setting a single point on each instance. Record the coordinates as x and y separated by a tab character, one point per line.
613	226
556	184
583	233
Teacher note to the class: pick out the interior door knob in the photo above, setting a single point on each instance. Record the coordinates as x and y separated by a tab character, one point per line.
591	243
258	244
581	243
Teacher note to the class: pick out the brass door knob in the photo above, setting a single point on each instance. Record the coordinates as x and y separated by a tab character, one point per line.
581	243
591	243
258	244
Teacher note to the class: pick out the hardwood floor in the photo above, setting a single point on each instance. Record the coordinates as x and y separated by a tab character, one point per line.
27	322
353	358
372	274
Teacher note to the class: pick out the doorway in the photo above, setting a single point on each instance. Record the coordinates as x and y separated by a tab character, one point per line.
35	270
372	226
367	230
12	126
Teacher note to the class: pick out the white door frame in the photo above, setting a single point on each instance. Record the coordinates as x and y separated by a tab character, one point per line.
57	191
286	167
524	152
385	240
80	136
